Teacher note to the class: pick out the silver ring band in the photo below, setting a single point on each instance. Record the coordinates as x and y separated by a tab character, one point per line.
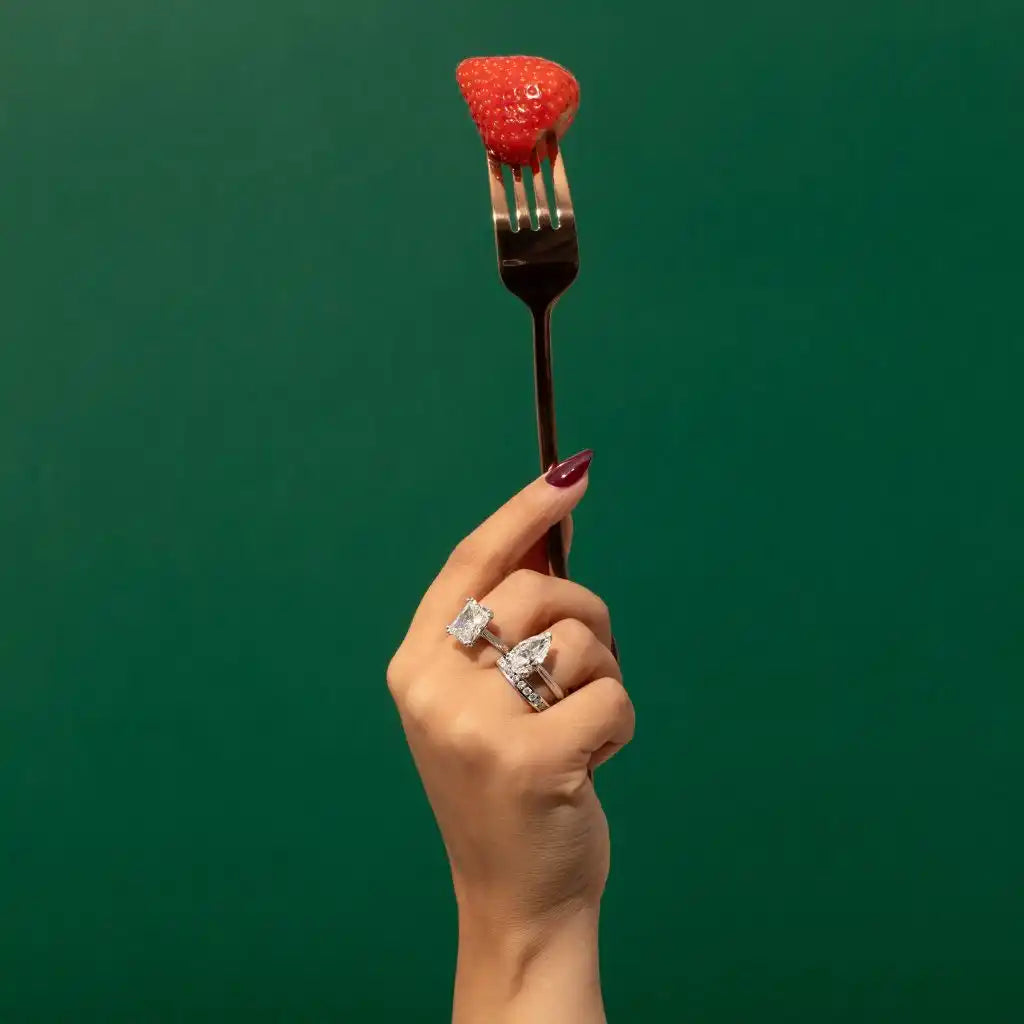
494	641
556	691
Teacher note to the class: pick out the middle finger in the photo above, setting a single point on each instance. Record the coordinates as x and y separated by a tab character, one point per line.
528	602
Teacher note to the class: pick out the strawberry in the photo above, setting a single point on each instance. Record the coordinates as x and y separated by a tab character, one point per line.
516	100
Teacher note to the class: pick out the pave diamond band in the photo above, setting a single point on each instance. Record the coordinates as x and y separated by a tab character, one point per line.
526	658
527	692
517	664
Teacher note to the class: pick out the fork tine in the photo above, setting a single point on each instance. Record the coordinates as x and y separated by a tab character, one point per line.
540	189
499	203
563	200
522	203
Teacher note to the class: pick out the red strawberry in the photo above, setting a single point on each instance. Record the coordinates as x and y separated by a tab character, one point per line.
516	100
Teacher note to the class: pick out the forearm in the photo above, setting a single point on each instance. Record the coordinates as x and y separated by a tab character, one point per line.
526	976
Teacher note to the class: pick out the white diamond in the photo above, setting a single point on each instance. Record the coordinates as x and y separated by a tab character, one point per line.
524	658
470	623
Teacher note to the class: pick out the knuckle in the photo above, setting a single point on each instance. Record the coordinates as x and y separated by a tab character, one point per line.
526	583
396	673
622	707
573	633
625	705
417	703
601	611
466	738
465	554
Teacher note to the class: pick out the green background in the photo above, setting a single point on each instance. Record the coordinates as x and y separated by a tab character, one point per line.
257	375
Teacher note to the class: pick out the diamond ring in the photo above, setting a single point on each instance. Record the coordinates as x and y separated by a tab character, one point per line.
516	664
471	624
522	661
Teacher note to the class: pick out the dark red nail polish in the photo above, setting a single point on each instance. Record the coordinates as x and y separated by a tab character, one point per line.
573	469
615	649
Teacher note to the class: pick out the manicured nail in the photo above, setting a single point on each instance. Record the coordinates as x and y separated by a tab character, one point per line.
573	469
615	649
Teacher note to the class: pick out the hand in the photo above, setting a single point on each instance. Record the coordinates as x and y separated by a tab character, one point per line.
512	789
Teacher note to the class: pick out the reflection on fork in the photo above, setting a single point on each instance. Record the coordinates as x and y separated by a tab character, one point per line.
537	264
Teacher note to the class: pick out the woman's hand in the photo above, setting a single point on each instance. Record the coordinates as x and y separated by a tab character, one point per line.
512	789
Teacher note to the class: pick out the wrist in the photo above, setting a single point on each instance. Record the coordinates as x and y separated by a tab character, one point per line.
546	969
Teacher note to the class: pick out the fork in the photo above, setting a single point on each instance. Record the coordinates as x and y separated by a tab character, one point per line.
537	265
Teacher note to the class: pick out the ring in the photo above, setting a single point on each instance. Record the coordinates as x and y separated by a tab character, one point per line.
518	663
522	661
471	624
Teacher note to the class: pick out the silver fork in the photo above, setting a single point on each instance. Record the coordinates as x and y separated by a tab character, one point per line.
537	265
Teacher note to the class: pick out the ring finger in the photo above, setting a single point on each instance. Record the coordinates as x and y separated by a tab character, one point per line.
527	602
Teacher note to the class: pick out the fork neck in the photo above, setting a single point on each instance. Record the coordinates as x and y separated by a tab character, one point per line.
545	385
546	434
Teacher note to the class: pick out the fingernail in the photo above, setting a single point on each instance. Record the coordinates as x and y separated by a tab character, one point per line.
573	469
615	649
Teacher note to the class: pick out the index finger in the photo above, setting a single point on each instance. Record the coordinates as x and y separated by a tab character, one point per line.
497	546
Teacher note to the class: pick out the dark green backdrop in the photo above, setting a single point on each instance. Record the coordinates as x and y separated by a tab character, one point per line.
257	375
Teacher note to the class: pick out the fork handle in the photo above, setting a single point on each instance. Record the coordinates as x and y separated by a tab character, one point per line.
545	389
